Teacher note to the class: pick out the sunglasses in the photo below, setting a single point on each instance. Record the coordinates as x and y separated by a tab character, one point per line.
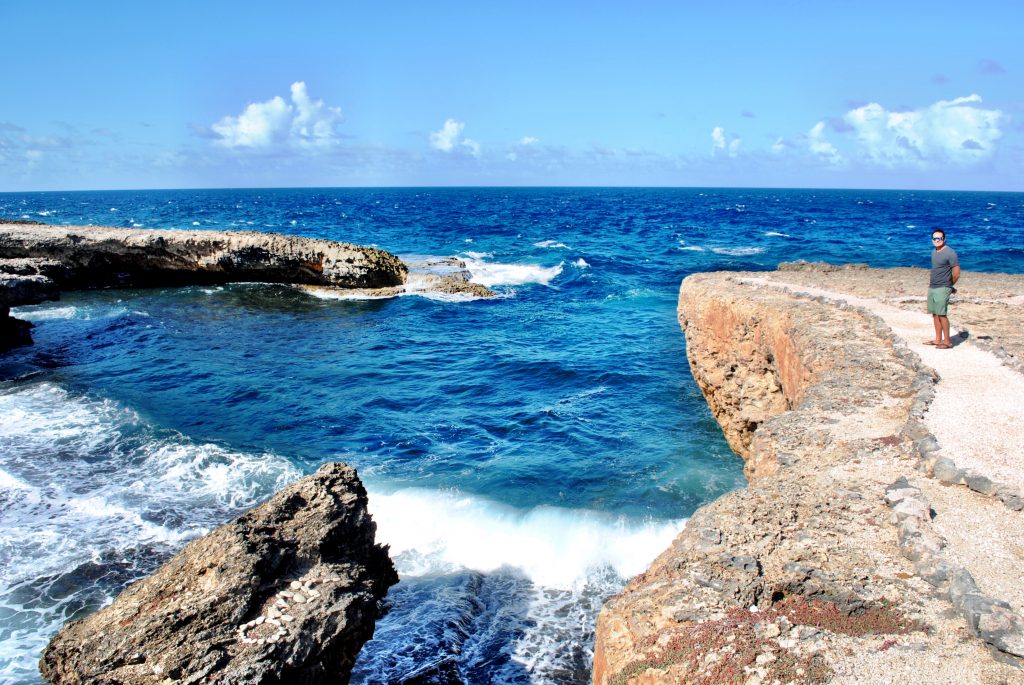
938	240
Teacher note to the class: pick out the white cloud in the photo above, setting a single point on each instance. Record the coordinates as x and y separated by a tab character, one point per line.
820	147
447	138
529	140
948	132
302	124
719	144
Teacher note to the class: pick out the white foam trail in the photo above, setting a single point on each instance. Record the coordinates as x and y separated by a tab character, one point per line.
478	255
553	244
691	248
776	234
437	532
491	274
738	251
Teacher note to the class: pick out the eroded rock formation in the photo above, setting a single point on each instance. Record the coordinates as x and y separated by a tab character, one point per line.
96	256
286	593
825	563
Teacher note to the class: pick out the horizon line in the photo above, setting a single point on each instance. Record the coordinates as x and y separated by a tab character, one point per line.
506	187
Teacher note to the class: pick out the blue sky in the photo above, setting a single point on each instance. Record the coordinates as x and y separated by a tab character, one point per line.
796	94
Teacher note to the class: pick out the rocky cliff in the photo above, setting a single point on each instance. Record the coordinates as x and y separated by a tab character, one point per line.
286	593
95	256
826	567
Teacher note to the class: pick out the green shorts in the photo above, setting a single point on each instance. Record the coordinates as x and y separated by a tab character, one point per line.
938	300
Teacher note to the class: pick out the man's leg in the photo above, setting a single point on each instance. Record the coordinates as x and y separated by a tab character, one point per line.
936	321
943	322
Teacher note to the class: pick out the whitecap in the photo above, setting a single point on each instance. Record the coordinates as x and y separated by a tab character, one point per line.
434	532
581	263
776	234
738	251
552	244
48	312
490	274
477	255
195	223
691	248
911	225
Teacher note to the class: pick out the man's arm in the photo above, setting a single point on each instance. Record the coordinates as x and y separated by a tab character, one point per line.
956	274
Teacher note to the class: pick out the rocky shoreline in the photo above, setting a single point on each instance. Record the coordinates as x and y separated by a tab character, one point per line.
842	561
38	261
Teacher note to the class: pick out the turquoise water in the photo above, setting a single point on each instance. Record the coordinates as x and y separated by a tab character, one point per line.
524	455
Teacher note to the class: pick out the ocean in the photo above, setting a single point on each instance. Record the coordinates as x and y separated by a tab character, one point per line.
524	455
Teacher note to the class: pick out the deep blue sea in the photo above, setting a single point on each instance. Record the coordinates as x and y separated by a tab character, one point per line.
524	455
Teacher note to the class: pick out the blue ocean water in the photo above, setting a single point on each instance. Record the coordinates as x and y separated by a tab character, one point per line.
524	455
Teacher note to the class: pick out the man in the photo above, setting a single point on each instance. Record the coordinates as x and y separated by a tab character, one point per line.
945	272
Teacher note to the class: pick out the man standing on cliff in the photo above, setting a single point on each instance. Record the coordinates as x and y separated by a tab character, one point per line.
945	272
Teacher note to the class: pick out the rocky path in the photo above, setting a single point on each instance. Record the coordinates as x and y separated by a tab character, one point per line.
880	539
977	416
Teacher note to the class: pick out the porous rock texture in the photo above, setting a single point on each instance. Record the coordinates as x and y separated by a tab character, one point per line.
286	593
825	568
96	256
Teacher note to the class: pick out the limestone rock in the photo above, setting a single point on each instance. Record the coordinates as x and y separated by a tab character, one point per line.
223	611
102	257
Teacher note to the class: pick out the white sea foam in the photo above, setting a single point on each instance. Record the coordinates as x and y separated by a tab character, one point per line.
552	244
436	532
691	248
491	274
477	255
911	225
52	312
776	234
738	251
581	263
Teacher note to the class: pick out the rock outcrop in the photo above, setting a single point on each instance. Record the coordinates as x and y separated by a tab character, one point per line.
824	567
286	593
23	281
101	257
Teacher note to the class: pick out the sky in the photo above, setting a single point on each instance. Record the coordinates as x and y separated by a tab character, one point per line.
118	95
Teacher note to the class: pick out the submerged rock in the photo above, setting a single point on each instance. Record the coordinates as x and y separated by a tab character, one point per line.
286	593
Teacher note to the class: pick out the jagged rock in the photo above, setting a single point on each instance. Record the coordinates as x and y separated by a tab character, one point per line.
227	608
101	257
21	283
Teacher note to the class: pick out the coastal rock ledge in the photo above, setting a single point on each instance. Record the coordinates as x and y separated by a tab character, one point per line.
286	593
827	568
97	257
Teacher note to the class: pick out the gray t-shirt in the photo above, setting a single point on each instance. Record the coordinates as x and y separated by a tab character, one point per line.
943	262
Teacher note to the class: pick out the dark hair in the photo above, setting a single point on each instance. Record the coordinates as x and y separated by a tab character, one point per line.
939	230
